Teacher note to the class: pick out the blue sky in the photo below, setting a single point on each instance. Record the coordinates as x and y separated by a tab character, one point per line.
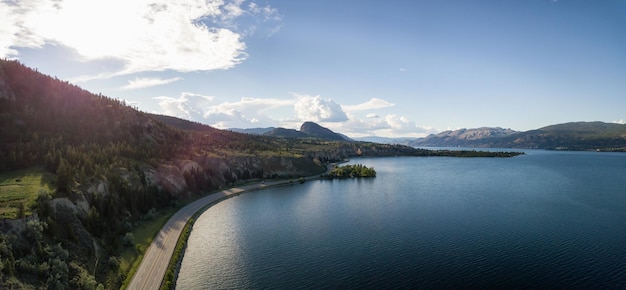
385	68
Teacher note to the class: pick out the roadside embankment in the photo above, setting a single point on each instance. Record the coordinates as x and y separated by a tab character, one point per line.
152	270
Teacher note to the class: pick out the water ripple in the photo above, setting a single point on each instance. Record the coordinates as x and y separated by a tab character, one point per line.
527	222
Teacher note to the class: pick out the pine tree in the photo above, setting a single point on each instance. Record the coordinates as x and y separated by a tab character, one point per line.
64	176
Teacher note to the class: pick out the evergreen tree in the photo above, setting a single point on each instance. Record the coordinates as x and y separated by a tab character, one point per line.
64	176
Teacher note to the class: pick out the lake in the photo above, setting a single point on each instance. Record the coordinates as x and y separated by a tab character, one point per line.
546	219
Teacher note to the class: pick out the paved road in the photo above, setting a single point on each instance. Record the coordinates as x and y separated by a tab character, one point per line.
152	269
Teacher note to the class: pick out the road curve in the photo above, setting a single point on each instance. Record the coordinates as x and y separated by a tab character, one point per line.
151	271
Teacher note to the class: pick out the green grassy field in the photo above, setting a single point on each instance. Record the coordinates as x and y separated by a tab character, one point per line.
19	189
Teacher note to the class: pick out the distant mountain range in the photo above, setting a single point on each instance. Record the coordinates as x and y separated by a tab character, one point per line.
253	131
597	136
463	137
386	140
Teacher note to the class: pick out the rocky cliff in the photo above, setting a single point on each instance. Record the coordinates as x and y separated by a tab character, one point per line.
462	137
596	136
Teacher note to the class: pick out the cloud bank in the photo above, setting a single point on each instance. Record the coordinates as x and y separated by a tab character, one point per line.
145	35
316	109
291	113
372	104
140	83
245	113
187	106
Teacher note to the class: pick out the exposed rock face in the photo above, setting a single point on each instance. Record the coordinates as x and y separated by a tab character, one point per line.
99	188
480	133
170	178
79	206
597	136
224	171
462	137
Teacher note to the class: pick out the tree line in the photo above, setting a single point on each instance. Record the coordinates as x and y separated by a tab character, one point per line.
351	171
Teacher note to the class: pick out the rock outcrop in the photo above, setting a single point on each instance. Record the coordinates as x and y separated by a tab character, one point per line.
462	137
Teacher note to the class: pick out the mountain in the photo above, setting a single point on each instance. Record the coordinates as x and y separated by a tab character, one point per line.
462	137
317	131
286	133
254	131
587	129
598	136
182	124
308	130
386	140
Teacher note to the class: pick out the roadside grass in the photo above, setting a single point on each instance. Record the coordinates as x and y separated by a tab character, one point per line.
19	190
144	235
175	260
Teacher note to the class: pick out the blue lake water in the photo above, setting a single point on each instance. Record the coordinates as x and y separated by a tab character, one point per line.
542	220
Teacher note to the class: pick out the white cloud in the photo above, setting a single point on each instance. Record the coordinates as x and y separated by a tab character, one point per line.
247	20
372	104
316	109
399	122
621	121
233	9
188	106
146	35
389	126
247	112
140	83
134	104
16	29
401	126
257	112
267	12
228	118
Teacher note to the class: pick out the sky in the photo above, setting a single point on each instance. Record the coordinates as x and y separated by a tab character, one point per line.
398	68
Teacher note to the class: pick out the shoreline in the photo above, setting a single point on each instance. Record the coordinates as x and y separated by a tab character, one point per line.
156	259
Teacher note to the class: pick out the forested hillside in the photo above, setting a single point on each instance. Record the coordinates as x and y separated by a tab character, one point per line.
81	172
99	153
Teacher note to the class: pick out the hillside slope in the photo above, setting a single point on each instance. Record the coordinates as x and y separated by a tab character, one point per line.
286	133
307	130
597	136
462	137
110	169
317	131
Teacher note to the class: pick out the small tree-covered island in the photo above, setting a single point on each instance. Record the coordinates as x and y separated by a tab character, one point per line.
351	171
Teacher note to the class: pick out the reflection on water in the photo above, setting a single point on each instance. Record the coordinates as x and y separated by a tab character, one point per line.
546	219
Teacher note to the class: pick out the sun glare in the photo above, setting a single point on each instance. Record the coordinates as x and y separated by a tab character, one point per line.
93	28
